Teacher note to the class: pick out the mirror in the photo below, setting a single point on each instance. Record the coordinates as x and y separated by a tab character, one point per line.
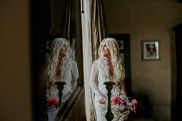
57	58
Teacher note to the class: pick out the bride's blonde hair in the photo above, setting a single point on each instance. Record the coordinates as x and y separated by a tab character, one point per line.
56	46
113	47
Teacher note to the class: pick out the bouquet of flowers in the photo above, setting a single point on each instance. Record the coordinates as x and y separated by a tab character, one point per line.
52	95
52	101
121	105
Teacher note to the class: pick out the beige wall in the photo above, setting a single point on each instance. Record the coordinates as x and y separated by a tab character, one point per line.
15	99
148	20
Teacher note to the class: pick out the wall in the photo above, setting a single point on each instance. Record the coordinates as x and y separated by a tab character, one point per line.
15	103
148	20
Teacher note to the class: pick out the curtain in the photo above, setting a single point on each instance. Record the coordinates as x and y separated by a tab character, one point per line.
63	22
98	25
67	20
58	16
61	13
98	32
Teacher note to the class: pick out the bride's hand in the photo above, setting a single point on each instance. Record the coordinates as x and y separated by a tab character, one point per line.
102	101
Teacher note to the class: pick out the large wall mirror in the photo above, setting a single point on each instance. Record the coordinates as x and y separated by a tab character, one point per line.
57	58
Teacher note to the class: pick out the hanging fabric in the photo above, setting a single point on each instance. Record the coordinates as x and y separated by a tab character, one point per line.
63	22
98	25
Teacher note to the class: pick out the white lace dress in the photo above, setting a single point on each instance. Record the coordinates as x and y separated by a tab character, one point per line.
70	77
98	77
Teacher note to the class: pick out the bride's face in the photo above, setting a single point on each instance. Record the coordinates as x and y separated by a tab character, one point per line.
64	50
105	50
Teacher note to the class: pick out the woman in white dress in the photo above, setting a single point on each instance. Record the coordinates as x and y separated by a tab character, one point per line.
61	68
108	67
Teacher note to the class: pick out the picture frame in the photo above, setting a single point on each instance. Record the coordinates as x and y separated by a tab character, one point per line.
150	50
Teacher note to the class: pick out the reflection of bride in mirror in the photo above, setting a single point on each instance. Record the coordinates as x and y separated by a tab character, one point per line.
108	67
61	68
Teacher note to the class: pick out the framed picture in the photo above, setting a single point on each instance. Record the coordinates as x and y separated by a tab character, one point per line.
150	50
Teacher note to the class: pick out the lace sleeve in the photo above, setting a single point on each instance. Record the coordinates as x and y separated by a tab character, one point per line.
94	80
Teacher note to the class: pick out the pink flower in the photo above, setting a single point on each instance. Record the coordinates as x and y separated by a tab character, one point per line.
52	101
134	103
116	100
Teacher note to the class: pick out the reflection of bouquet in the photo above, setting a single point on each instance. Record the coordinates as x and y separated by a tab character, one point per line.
52	101
52	95
121	105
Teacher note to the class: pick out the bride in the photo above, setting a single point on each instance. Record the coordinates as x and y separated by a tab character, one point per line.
108	67
61	68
